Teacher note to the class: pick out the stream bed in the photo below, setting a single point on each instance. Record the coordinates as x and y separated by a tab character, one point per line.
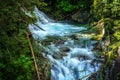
70	52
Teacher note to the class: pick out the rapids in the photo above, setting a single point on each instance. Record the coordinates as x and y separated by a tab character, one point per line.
72	57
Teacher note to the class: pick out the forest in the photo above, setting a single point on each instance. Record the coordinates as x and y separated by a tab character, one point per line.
20	56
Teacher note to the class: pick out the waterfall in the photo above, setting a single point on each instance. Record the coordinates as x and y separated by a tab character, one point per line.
71	56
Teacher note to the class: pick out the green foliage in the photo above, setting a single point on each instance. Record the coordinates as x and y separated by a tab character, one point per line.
68	5
117	35
15	57
27	69
118	76
106	9
109	11
64	8
16	62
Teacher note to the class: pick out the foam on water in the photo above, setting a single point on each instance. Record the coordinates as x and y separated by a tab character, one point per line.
77	64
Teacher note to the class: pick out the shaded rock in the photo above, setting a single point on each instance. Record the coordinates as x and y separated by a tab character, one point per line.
63	53
64	49
60	41
57	56
50	39
83	57
102	45
75	37
97	46
81	16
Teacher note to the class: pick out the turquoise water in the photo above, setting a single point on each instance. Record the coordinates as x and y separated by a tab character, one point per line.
71	55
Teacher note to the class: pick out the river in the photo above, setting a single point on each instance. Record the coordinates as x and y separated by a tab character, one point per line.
70	52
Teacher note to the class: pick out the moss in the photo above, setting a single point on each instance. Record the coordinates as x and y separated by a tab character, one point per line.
117	23
117	35
118	76
108	10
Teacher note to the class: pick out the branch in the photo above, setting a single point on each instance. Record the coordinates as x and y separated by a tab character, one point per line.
30	45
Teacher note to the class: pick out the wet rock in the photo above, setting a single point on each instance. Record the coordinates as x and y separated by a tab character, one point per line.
50	39
97	46
64	49
60	42
83	57
57	56
81	16
75	37
93	76
63	53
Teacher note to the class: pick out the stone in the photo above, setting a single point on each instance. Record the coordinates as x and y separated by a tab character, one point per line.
57	56
97	46
74	37
64	49
63	53
60	41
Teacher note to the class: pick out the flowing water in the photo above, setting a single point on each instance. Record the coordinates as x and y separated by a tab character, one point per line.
70	51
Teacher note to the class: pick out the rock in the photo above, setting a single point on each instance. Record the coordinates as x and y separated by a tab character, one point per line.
64	49
74	37
83	57
63	53
49	40
80	16
60	41
57	56
97	46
